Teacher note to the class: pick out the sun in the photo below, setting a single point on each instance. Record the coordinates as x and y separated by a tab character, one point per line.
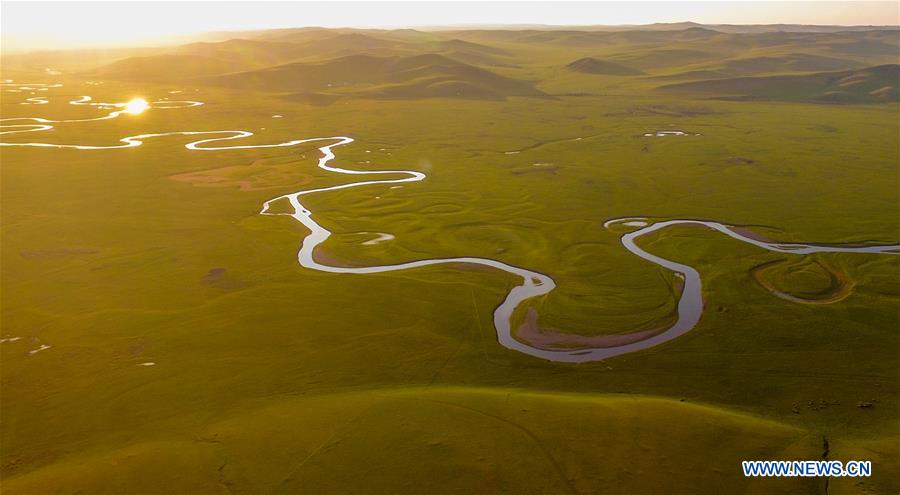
136	106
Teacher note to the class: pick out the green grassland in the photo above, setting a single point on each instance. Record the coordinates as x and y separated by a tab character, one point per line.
272	378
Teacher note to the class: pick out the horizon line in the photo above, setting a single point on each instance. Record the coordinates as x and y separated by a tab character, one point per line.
196	36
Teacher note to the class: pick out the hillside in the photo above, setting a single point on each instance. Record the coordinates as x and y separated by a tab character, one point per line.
769	64
434	434
765	28
242	53
166	67
393	77
870	85
238	54
589	65
679	53
794	62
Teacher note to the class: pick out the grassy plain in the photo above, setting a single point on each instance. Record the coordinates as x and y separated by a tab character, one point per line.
271	378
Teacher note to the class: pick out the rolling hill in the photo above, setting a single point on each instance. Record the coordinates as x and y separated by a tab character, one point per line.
390	77
794	62
764	28
589	65
243	53
236	55
167	67
435	435
869	85
673	53
769	64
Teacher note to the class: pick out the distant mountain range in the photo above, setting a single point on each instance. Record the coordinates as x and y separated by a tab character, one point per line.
822	64
659	26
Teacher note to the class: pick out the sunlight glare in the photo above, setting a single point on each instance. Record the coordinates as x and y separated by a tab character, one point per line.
136	106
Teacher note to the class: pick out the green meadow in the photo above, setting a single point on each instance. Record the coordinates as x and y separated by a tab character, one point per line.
268	377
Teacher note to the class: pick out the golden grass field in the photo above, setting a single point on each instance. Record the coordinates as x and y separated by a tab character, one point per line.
269	377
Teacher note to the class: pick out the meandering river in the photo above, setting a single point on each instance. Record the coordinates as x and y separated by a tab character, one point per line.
532	284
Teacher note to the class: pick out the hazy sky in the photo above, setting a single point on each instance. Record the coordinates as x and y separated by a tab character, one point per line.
31	25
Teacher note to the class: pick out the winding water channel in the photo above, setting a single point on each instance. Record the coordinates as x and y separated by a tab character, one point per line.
533	284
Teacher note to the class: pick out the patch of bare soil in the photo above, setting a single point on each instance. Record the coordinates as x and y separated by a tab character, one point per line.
552	339
752	234
329	259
